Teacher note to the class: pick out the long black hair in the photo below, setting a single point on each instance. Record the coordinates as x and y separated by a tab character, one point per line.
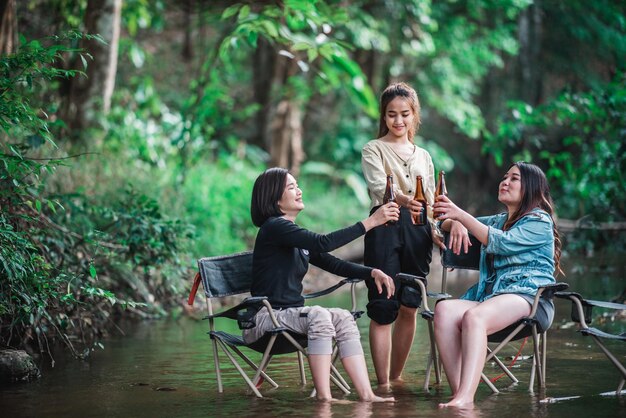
267	191
535	193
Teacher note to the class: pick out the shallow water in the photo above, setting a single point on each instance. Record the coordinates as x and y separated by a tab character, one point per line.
165	368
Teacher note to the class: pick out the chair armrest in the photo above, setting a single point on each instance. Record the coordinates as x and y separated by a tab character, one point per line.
254	302
546	291
331	288
550	290
582	308
418	283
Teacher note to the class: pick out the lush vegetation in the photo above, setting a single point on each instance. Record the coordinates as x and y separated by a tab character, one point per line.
102	213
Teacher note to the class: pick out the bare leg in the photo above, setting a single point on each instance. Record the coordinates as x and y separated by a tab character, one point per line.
402	340
357	370
478	322
320	371
448	317
380	345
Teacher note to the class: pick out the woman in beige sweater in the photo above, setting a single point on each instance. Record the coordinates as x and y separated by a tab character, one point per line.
404	246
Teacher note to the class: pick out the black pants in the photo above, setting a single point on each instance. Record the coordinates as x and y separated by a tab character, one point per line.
399	248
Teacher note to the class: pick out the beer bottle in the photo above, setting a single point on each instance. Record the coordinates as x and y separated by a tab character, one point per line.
420	197
441	189
390	195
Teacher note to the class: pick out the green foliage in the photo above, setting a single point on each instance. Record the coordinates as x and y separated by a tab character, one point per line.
59	252
29	69
216	198
581	137
305	30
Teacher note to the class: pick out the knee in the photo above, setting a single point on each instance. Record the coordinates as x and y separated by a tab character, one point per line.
443	311
320	324
320	316
383	311
343	316
472	319
407	314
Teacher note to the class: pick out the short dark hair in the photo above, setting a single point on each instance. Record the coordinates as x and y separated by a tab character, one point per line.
267	191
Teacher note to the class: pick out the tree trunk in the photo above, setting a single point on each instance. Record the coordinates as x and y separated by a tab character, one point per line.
263	70
286	149
529	30
8	27
187	52
286	121
92	94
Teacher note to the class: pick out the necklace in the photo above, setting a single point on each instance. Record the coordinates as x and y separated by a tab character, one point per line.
403	156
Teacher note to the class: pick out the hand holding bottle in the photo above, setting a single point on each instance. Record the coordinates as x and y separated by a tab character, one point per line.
389	212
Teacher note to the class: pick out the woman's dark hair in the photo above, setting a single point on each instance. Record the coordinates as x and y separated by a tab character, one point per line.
406	92
267	191
535	194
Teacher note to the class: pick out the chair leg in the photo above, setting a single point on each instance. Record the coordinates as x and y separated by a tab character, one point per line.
218	372
613	360
265	360
301	368
489	383
544	358
429	367
505	369
433	358
240	370
255	367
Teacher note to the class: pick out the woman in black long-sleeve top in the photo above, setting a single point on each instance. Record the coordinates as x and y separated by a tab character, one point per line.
282	253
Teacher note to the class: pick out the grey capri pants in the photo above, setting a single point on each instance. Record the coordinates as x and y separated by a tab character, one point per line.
319	324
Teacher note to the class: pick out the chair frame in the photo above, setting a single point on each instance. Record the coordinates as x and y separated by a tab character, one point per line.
470	261
581	314
230	344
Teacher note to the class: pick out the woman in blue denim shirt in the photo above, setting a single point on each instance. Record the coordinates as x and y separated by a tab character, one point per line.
520	252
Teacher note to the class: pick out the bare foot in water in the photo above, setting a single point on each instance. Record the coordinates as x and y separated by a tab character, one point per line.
383	388
397	381
458	403
375	398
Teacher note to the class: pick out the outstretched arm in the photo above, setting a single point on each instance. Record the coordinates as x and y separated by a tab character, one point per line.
449	212
385	213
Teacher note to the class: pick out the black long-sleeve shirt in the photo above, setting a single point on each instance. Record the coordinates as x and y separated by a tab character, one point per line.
281	257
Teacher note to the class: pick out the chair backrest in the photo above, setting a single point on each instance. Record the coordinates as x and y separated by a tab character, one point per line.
226	275
469	260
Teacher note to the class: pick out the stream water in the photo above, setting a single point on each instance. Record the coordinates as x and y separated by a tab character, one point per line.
165	369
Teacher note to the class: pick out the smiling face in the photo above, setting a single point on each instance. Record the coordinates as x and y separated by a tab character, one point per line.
399	117
290	202
510	190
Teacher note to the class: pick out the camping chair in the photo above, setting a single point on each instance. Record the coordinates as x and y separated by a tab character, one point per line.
527	326
225	276
581	314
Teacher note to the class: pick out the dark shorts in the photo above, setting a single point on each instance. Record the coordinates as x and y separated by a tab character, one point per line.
545	315
399	248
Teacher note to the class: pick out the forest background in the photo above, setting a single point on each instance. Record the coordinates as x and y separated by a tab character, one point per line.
132	132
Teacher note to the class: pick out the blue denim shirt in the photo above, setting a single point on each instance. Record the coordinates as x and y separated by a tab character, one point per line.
515	261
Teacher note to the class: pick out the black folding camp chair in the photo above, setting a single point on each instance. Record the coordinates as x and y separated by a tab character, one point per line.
582	315
229	275
527	326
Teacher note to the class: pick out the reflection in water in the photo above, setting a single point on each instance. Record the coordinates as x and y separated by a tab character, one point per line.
125	378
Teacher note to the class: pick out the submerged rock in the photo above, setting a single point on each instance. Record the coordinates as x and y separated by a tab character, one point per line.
17	366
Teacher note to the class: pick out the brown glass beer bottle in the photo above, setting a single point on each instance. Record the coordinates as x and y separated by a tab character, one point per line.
420	197
441	189
390	195
441	185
